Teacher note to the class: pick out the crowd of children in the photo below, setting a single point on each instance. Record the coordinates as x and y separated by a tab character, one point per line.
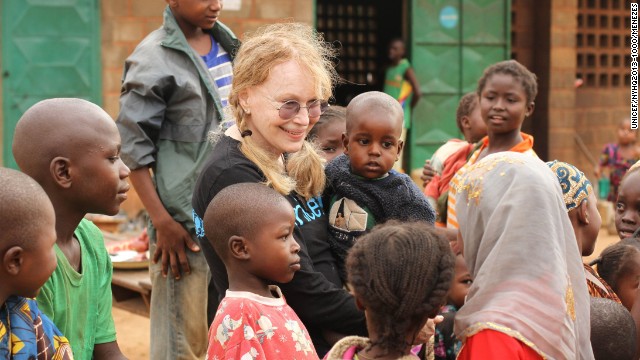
334	256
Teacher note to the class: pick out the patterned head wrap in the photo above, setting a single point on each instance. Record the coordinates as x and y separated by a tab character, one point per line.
575	185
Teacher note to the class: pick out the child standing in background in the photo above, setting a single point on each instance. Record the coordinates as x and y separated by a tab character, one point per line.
27	259
327	132
400	82
362	189
244	222
618	157
383	269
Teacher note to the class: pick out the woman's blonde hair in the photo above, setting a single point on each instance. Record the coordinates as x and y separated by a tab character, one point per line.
270	46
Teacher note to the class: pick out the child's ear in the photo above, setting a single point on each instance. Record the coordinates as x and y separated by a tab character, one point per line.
400	147
60	170
345	143
12	260
530	108
583	214
238	248
465	122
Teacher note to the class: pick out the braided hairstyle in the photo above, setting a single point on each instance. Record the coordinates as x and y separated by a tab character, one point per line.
613	260
401	273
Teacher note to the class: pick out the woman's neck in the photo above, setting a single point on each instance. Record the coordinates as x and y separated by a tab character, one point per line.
503	142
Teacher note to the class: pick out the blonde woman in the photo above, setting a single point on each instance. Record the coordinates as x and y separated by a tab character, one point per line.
283	77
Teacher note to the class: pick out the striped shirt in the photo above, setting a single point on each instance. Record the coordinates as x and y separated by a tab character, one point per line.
219	63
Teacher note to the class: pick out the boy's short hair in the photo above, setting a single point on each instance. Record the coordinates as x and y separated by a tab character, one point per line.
613	331
51	128
238	210
22	203
375	101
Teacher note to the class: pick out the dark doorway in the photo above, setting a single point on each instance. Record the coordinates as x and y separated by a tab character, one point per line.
361	30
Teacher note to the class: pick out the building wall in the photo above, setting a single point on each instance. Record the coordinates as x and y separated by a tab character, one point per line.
561	95
126	22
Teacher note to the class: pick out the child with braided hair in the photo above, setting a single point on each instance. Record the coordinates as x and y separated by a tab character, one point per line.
382	269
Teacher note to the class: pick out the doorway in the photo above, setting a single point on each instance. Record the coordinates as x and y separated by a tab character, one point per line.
361	31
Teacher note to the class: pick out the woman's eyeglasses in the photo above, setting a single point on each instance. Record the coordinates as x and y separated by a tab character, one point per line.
291	108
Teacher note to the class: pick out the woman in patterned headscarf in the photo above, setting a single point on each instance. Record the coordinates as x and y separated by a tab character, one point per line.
580	201
529	299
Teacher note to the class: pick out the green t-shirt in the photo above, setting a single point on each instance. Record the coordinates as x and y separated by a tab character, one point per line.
80	303
399	88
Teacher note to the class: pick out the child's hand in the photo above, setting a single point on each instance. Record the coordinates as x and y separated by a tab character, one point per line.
427	173
428	330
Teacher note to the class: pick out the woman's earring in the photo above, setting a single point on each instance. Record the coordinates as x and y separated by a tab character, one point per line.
247	111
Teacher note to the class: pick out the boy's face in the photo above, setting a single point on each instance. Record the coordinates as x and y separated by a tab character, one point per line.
329	139
627	216
626	136
461	283
100	175
196	13
273	250
396	50
39	260
627	284
503	104
373	142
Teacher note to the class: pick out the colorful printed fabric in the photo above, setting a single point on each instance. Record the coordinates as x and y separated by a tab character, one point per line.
612	159
248	326
27	333
446	345
596	290
575	185
400	89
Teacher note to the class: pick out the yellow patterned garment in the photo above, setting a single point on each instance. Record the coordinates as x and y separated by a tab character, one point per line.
26	333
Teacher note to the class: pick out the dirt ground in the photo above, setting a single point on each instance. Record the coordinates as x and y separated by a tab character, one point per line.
133	334
133	330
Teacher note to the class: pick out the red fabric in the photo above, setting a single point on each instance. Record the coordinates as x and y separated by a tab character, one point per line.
440	183
491	344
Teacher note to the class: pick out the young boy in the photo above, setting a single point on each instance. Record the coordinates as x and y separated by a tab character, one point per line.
362	187
27	236
244	222
400	82
76	160
175	85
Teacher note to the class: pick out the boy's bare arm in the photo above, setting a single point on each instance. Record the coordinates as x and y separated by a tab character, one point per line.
171	236
411	78
108	351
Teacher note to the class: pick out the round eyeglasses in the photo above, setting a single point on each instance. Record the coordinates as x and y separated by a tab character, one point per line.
291	108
